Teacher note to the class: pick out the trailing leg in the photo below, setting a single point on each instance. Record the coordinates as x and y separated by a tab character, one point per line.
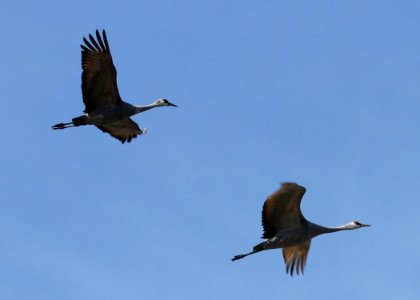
79	121
256	249
62	125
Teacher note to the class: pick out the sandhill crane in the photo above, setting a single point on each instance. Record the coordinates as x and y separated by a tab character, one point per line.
285	227
104	107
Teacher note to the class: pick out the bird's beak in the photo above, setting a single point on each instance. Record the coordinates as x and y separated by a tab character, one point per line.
365	225
171	104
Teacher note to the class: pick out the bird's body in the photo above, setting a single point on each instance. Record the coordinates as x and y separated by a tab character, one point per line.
285	227
112	113
104	107
106	114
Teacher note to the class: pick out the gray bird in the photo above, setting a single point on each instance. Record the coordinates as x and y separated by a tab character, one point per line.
285	227
104	107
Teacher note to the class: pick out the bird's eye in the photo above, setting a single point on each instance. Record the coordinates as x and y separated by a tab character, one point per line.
357	223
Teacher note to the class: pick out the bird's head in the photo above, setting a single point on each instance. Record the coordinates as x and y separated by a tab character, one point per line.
356	225
164	102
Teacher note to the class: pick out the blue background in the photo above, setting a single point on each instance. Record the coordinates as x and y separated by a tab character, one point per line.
324	93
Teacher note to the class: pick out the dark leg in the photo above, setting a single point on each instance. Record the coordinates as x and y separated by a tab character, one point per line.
62	125
256	249
236	257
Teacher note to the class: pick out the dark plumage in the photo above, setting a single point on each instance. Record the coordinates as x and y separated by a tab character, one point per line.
99	77
104	107
284	202
285	227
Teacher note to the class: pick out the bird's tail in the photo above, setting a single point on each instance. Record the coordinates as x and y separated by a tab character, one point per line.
79	121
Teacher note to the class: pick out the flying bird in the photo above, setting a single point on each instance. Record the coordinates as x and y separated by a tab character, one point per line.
285	227
104	107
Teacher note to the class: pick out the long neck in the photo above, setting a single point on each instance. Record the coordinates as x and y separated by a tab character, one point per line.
142	108
315	229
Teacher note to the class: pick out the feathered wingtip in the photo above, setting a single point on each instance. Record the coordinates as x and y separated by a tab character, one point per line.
297	265
98	45
295	257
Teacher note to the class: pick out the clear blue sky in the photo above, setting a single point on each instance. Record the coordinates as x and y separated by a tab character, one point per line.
324	93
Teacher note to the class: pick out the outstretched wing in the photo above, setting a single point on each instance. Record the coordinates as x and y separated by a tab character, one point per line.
124	130
99	77
281	210
295	257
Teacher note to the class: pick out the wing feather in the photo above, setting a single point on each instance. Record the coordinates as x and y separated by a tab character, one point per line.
99	77
97	47
98	36
124	130
105	39
91	48
295	257
281	210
